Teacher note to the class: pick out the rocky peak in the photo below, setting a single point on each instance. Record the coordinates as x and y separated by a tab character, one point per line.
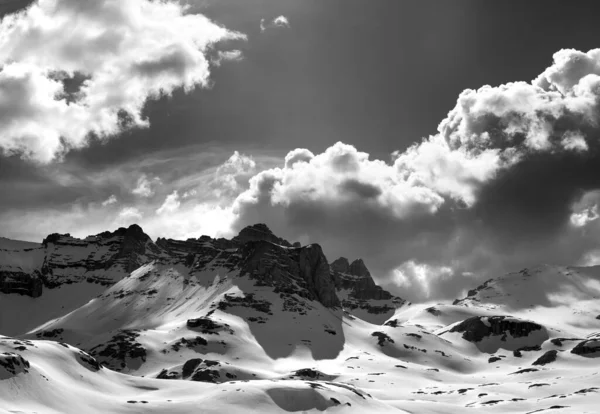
341	265
259	232
357	288
358	268
303	271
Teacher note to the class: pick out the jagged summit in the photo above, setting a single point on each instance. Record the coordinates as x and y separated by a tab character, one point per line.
260	231
292	271
356	268
358	291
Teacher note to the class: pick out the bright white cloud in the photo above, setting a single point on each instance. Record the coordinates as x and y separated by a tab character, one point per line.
281	21
129	215
232	177
423	275
416	184
110	200
585	216
585	210
192	221
121	52
170	205
145	186
574	141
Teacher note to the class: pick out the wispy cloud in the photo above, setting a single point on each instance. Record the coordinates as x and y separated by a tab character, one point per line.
145	186
280	21
171	204
110	200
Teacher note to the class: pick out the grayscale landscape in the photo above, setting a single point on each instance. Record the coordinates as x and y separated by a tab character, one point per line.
272	206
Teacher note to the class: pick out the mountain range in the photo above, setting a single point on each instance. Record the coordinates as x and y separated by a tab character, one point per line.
119	323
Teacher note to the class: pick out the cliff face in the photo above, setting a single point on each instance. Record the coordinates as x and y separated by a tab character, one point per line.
358	291
61	259
255	252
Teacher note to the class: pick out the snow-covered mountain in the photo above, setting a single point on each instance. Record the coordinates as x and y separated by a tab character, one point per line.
119	323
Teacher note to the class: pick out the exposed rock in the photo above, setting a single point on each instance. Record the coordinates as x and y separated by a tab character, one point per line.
190	366
121	352
12	364
61	259
559	341
547	358
382	338
29	284
358	290
88	361
303	271
588	348
198	369
315	271
258	232
356	277
474	329
299	274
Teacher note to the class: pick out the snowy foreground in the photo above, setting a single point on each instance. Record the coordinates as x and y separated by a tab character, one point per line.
203	336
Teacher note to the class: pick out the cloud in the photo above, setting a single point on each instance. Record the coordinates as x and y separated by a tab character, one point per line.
76	69
585	216
585	210
129	215
67	197
423	276
231	178
171	204
110	200
227	56
190	193
509	180
144	186
280	21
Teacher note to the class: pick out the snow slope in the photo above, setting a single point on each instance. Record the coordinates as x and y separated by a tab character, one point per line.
249	329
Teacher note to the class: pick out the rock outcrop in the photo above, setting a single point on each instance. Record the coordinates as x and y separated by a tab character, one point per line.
29	284
61	259
302	270
358	290
12	364
588	348
256	252
477	328
258	232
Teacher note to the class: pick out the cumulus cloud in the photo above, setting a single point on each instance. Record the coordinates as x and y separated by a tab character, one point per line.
73	69
145	186
280	21
504	183
110	200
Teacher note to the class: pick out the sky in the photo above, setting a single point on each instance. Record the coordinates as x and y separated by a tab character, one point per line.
444	143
